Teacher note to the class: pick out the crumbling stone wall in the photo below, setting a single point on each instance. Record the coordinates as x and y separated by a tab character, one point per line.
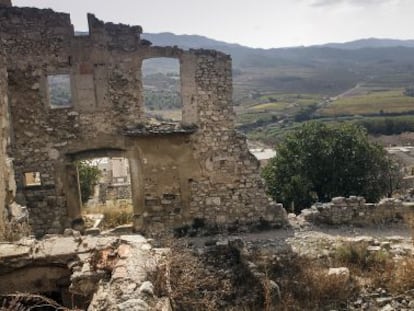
118	192
180	173
355	211
4	135
231	184
9	210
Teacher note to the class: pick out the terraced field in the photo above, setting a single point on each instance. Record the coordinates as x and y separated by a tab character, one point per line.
376	102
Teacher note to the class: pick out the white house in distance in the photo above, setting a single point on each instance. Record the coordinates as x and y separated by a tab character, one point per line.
114	170
263	154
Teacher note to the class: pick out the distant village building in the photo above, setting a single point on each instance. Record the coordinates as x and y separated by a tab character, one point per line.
115	181
263	155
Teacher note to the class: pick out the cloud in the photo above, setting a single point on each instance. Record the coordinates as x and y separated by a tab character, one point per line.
322	3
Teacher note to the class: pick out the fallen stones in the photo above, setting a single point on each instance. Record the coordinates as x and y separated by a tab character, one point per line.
99	268
355	211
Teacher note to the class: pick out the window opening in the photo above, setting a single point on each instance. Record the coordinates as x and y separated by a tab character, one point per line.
59	90
32	179
162	89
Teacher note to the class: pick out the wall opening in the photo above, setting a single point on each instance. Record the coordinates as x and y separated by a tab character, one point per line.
162	89
105	189
32	179
59	91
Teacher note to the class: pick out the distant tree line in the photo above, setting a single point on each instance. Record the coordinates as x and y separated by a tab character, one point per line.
305	113
388	126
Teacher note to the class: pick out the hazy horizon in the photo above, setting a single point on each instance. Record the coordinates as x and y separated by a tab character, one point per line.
291	46
260	24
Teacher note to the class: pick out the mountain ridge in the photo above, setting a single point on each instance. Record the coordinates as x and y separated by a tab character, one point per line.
199	41
328	69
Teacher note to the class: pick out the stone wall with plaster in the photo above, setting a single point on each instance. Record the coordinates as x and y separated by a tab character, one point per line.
199	168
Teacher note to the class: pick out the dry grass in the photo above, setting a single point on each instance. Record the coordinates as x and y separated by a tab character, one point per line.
402	278
11	304
115	213
192	282
188	282
306	285
358	258
26	302
378	269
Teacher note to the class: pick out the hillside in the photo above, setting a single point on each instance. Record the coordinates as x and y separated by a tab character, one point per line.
329	69
362	81
371	43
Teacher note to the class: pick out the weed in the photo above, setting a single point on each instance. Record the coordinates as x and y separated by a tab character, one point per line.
358	257
402	279
25	301
306	285
115	214
189	283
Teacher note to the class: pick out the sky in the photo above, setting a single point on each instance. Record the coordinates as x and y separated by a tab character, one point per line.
254	23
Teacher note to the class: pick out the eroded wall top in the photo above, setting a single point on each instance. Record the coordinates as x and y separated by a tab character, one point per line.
103	72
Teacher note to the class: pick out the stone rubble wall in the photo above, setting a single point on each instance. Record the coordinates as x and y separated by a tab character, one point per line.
9	210
232	189
198	169
118	192
3	143
228	189
113	192
105	97
13	217
355	211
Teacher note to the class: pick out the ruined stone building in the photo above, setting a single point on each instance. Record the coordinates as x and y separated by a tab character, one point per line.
196	169
115	181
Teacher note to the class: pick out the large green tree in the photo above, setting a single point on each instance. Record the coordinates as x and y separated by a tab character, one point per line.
317	162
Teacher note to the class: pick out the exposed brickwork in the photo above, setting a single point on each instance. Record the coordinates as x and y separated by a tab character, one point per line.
197	169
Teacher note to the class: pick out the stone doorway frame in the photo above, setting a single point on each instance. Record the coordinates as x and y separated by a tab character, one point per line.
71	186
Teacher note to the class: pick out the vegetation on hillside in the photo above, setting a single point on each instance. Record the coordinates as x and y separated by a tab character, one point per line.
392	101
381	111
368	82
